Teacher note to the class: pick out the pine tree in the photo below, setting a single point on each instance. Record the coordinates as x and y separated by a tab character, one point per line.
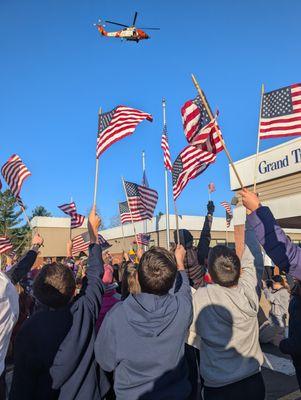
10	222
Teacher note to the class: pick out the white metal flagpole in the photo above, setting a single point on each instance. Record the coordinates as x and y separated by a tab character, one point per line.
96	170
166	186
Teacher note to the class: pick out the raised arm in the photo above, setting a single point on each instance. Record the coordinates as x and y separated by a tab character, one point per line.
205	237
285	254
21	269
252	267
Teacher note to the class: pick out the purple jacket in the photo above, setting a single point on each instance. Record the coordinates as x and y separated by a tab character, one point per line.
285	254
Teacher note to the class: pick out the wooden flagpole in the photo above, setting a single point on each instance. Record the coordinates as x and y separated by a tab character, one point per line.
258	141
166	186
217	131
96	170
122	231
127	199
177	220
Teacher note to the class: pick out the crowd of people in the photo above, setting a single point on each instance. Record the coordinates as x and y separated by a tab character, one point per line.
181	324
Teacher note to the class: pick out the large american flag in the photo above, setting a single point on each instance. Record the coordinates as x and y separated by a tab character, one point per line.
143	239
190	163
70	209
15	172
142	200
281	112
229	214
165	148
196	121
81	243
5	244
117	124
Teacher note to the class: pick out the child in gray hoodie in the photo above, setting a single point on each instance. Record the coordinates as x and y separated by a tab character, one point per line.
225	326
143	337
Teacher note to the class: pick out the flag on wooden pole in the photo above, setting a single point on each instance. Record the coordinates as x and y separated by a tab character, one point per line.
229	214
117	124
189	164
14	171
81	243
70	209
281	112
143	239
142	200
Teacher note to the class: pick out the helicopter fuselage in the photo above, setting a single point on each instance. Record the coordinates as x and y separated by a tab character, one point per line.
130	34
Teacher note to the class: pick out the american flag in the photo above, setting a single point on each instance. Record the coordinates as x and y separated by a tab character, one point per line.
229	214
281	112
5	244
117	124
15	172
211	187
190	163
165	148
196	121
144	180
81	243
142	200
143	239
70	209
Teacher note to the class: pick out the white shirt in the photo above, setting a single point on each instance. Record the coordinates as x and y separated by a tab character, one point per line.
9	313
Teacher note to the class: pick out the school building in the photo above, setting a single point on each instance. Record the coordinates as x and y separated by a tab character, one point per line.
278	176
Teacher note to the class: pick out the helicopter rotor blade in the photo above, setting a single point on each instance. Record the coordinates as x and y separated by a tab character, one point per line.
116	23
135	17
151	29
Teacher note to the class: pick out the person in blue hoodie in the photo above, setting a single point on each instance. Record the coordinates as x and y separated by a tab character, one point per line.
143	337
54	352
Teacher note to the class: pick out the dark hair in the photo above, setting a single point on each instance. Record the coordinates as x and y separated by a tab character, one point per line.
278	279
54	286
224	266
157	271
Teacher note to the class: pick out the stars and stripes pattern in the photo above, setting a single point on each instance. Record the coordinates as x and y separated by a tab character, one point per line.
81	243
117	124
229	214
70	209
14	172
189	164
142	200
196	121
5	244
165	148
143	239
125	215
281	113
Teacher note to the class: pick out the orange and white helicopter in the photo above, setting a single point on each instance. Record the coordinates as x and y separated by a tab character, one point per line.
131	33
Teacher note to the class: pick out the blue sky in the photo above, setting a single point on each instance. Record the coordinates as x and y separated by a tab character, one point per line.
56	71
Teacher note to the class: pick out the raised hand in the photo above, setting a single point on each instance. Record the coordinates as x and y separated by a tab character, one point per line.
37	240
250	200
93	225
180	253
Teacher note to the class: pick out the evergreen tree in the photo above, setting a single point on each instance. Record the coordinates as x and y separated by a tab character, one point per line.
40	211
10	222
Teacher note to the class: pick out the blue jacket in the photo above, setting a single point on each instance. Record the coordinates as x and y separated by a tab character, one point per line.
142	339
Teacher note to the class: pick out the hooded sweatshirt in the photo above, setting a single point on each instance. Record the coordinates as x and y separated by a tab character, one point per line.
225	326
142	339
54	353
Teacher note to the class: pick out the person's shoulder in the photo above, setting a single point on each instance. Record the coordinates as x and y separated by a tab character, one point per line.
117	310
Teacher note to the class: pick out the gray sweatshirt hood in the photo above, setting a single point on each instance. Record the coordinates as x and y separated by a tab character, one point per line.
150	315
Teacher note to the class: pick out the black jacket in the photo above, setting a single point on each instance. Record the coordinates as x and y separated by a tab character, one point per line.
292	345
54	357
21	269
